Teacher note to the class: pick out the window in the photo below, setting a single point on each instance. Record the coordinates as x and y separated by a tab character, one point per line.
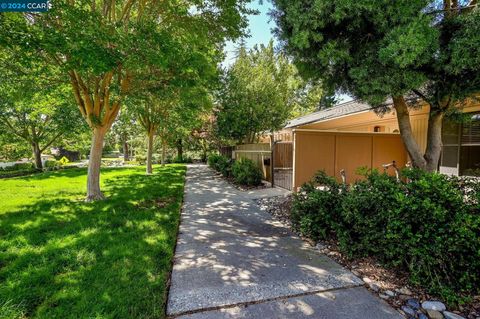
470	147
461	147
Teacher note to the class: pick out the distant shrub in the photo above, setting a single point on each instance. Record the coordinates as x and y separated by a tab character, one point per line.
51	164
246	172
141	159
428	226
212	160
221	164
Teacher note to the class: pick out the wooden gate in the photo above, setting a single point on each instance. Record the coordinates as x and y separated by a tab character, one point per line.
283	165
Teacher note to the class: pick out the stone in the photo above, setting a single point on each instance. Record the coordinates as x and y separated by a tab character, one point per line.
413	303
389	293
404	291
383	296
422	316
374	287
433	305
434	314
367	280
451	315
408	311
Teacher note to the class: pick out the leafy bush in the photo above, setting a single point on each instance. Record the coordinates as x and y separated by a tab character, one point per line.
15	173
245	172
224	166
315	208
429	226
141	159
51	164
221	164
212	160
19	167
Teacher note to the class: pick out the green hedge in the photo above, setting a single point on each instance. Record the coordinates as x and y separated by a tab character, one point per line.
19	167
427	224
221	164
245	172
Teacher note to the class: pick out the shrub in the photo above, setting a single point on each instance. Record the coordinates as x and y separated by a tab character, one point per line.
224	166
51	164
141	159
212	160
23	166
315	208
429	226
245	172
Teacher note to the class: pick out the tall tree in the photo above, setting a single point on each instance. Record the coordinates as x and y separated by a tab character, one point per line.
259	92
102	45
373	50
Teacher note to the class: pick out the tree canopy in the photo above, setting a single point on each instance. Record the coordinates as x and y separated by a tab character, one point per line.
259	92
374	50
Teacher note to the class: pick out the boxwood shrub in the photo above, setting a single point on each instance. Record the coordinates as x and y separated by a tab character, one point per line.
427	224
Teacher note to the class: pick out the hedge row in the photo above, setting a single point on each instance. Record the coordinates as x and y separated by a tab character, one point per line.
244	171
427	224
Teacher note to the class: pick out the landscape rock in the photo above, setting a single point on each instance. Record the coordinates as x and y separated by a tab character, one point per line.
408	311
413	303
367	280
404	291
422	316
374	287
433	305
390	293
383	296
434	314
451	315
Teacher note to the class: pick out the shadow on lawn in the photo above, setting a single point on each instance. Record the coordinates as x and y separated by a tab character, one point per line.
64	258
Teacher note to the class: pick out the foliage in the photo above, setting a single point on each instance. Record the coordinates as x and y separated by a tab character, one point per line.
19	166
221	164
258	93
18	172
373	50
246	172
69	254
314	213
428	225
213	159
52	164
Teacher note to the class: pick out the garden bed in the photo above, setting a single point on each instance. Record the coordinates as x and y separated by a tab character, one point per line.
390	283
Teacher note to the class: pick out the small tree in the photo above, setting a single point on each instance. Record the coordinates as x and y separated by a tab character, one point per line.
373	50
259	92
34	105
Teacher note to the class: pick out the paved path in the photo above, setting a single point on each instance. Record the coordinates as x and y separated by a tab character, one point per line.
234	261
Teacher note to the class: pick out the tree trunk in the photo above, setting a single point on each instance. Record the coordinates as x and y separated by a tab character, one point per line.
126	157
403	118
164	151
434	140
149	152
94	162
37	155
180	150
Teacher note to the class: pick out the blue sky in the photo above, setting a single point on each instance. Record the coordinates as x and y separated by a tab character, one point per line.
260	27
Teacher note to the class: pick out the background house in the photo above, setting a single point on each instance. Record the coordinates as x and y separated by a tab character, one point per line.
352	135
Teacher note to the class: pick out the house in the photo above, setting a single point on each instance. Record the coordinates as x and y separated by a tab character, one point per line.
351	135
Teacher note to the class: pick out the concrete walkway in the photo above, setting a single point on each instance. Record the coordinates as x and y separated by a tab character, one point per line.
234	261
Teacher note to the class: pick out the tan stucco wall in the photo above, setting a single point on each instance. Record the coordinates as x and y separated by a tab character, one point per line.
332	151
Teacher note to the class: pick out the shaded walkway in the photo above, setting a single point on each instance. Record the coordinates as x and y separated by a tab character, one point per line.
235	261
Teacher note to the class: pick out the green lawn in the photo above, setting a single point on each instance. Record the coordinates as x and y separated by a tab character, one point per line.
63	258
